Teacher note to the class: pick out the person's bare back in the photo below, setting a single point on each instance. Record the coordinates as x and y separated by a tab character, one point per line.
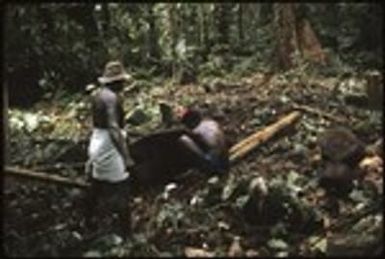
103	100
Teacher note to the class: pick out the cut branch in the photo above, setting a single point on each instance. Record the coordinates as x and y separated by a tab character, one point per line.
326	115
59	166
12	171
244	147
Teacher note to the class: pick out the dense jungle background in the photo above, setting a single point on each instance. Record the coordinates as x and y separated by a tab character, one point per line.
248	66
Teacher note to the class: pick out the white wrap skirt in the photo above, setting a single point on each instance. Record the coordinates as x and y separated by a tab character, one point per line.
107	163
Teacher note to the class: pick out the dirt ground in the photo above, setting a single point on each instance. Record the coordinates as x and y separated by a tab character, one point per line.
204	214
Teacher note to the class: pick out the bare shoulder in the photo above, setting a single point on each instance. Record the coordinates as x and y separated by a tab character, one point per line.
207	125
105	95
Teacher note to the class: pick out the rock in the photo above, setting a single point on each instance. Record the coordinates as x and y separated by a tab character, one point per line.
341	145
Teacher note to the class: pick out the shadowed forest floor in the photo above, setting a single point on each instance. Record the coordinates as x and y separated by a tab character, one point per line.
203	215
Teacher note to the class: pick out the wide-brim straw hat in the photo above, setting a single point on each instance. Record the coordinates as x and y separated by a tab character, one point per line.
114	71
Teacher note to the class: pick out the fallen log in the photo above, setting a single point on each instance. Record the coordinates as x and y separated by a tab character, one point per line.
12	171
248	140
244	147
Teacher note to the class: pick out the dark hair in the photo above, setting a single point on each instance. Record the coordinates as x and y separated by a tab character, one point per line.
191	118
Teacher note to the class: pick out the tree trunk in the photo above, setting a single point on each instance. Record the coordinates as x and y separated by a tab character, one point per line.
201	24
310	46
222	23
184	23
105	21
84	15
295	37
240	24
173	28
332	13
152	34
252	19
204	33
285	28
195	34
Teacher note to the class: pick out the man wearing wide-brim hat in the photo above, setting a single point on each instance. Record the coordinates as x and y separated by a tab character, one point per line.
109	157
114	72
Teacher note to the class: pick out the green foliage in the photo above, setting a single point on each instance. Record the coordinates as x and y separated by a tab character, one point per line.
65	46
21	122
137	117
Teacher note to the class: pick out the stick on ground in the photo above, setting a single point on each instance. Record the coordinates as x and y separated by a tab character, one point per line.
326	115
45	177
244	147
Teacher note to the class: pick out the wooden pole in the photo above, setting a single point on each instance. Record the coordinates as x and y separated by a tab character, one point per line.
244	147
12	171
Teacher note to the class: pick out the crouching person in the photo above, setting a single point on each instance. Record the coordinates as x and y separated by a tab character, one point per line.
205	143
109	157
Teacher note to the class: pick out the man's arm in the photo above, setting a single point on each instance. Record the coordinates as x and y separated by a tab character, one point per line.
117	136
209	160
171	133
197	140
192	146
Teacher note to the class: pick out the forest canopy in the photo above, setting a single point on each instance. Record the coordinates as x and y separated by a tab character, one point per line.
56	46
